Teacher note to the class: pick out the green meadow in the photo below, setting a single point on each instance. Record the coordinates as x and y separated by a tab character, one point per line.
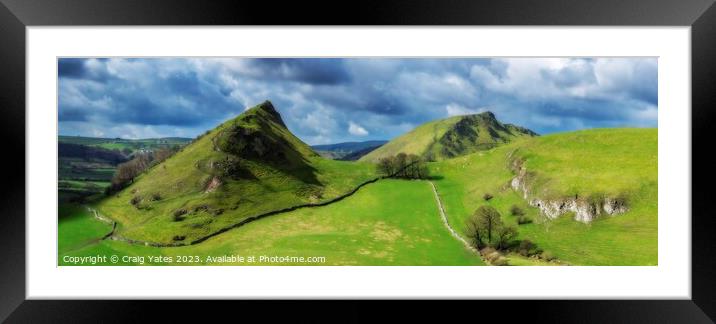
391	222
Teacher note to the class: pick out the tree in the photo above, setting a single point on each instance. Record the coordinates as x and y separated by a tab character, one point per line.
162	154
516	211
490	219
409	166
385	166
474	230
127	171
486	224
505	235
400	163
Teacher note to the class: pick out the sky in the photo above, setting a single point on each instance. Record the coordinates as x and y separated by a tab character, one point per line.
331	100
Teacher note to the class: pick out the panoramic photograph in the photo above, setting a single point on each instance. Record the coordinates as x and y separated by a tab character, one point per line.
359	161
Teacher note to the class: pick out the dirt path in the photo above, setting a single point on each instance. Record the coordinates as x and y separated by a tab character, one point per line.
447	223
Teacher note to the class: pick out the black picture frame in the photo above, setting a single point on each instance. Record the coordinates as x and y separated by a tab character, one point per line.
16	15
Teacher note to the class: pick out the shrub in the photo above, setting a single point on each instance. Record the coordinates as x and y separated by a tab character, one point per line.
494	256
501	261
526	248
548	256
516	211
505	234
179	214
521	220
135	200
487	251
487	196
156	196
178	237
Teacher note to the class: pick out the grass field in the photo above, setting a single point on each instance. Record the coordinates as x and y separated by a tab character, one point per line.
78	229
391	222
610	161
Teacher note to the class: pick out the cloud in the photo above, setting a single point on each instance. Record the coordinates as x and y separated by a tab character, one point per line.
321	98
357	130
453	109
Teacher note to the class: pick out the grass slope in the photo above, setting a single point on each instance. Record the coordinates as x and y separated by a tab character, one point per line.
391	222
221	179
591	162
451	137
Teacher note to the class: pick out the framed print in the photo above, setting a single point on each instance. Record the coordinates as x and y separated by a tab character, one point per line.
552	158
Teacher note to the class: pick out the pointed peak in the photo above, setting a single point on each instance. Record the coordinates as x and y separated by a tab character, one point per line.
267	106
488	113
267	109
486	116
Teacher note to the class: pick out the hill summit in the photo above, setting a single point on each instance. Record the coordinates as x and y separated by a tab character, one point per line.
451	137
260	135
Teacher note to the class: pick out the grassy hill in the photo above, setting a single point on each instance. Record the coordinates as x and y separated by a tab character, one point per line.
246	166
590	163
451	137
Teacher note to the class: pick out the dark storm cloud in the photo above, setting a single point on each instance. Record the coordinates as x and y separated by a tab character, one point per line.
312	71
71	67
332	100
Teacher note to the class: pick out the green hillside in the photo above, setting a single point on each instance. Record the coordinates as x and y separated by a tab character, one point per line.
589	164
391	222
451	137
246	166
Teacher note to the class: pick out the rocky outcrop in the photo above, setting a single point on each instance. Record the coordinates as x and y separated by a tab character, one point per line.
214	183
585	209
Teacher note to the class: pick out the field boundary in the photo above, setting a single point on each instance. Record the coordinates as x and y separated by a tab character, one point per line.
247	220
452	231
114	237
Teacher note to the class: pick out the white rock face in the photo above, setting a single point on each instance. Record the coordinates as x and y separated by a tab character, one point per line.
584	210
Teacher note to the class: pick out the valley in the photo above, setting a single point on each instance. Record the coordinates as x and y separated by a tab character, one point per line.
206	196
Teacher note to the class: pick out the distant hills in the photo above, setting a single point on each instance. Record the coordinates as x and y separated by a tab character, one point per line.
347	151
451	137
